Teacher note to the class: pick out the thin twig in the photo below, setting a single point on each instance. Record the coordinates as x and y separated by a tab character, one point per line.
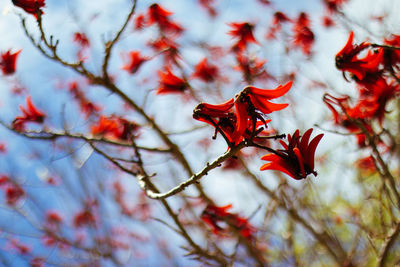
193	179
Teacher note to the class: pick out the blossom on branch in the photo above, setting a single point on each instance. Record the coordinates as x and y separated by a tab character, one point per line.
297	157
115	127
30	114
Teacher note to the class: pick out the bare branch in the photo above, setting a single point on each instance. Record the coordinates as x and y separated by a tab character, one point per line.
193	179
110	44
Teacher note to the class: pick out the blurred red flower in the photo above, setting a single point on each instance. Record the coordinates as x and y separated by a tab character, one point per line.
243	31
8	62
30	114
170	83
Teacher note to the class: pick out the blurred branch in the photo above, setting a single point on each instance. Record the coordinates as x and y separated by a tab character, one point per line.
388	244
110	44
53	135
328	242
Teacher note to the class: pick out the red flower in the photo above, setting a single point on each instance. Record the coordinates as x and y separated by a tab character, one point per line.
135	61
140	22
346	120
213	216
303	36
87	107
53	217
347	60
207	5
327	22
81	39
8	62
205	71
168	47
334	5
241	118
160	16
30	6
366	165
114	127
170	83
30	114
84	218
265	2
391	57
14	193
251	100
297	157
244	32
276	25
251	67
221	116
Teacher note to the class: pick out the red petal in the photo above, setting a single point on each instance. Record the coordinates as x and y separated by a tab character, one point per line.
309	155
348	46
304	141
271	94
241	121
266	107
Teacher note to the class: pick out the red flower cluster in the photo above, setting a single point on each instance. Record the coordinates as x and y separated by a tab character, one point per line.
297	157
8	63
376	79
214	216
115	127
30	6
238	119
30	114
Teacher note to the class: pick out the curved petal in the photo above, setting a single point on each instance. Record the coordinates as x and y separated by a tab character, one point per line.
265	106
348	46
304	141
241	121
309	156
271	94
